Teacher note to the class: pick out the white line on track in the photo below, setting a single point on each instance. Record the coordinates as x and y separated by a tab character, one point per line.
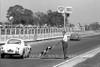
88	54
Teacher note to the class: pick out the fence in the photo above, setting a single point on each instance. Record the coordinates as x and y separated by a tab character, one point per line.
30	34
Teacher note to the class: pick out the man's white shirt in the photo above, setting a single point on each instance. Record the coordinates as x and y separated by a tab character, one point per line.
65	38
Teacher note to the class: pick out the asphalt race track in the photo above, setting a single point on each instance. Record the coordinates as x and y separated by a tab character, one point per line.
55	56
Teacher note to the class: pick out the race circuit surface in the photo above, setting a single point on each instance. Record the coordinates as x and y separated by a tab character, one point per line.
55	56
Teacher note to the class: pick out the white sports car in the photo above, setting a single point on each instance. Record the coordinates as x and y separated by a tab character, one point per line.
15	47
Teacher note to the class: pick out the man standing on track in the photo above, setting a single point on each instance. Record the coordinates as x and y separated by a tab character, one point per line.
65	44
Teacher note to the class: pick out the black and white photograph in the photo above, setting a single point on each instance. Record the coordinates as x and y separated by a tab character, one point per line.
49	33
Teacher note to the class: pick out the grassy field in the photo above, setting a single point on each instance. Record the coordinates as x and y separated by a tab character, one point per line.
90	62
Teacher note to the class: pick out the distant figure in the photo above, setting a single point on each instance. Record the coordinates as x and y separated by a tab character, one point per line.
65	44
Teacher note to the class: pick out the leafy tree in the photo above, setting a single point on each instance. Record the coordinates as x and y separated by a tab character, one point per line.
72	25
54	18
94	26
50	18
40	18
20	15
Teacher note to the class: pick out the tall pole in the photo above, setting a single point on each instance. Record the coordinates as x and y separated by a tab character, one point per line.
64	21
11	21
0	10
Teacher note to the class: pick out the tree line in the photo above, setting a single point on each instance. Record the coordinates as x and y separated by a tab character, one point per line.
27	17
50	18
93	26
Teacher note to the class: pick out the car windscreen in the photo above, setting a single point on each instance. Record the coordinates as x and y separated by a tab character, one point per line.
14	41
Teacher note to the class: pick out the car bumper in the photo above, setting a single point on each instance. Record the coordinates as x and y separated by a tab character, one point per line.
10	52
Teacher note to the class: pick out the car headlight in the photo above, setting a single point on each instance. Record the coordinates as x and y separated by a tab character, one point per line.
17	48
1	48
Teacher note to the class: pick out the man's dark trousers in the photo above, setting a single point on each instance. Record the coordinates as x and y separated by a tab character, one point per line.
65	45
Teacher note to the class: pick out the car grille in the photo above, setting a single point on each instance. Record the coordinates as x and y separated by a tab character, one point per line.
10	50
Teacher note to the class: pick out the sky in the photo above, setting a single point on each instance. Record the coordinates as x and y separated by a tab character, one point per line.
84	11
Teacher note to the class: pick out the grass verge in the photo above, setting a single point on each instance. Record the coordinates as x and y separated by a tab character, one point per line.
90	62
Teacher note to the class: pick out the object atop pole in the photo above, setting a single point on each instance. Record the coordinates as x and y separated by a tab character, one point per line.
64	10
